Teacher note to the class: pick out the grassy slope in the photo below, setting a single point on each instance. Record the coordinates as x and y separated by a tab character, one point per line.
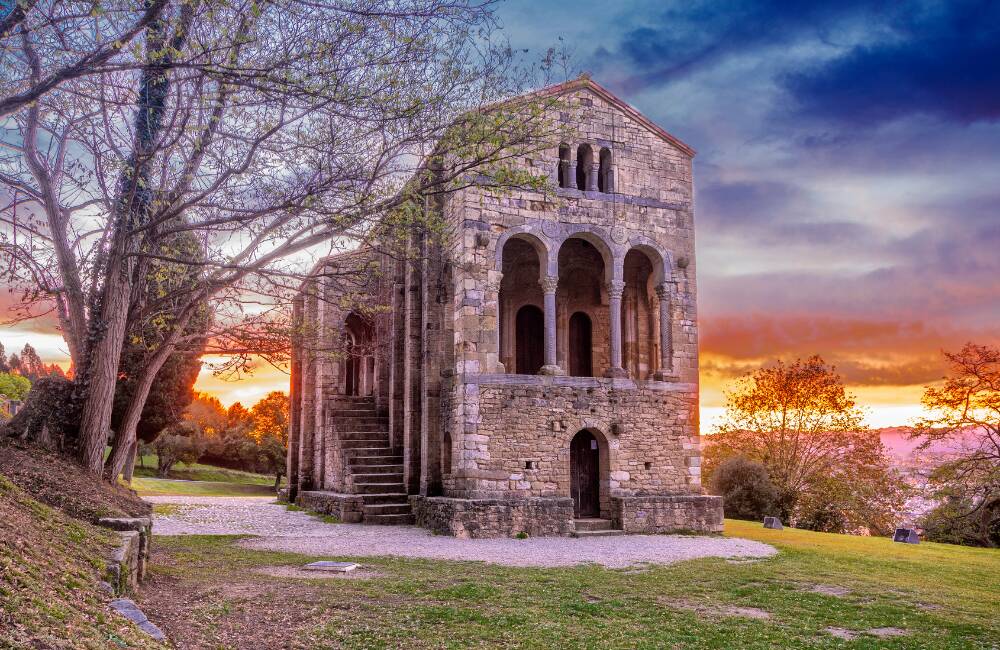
206	592
50	566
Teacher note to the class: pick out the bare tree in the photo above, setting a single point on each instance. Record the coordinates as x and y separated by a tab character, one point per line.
84	38
270	132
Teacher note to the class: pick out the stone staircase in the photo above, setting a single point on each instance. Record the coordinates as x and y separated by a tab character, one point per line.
375	470
595	528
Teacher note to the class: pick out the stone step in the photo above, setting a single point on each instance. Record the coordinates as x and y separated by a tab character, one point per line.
386	498
365	435
592	524
349	399
377	468
389	520
387	509
372	459
598	533
358	413
366	443
388	487
358	477
360	426
377	451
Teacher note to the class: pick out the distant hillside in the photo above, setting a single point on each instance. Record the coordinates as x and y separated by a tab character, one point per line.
901	447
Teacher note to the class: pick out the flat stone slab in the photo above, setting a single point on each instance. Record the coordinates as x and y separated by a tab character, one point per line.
333	567
131	611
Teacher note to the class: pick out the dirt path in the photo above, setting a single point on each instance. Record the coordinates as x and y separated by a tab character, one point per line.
280	530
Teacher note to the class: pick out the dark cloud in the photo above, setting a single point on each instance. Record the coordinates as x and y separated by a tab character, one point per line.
689	36
940	59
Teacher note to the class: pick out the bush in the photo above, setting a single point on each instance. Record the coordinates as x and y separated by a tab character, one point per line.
745	488
177	444
958	521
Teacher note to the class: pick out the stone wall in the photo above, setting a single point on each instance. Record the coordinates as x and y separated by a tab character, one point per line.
667	514
518	432
484	518
127	562
349	508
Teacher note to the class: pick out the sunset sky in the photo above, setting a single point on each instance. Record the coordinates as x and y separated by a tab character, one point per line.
847	177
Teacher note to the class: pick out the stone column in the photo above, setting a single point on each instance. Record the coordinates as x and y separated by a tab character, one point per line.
551	366
616	289
595	169
666	372
571	174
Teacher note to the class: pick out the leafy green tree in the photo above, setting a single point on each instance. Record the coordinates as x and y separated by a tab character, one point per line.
14	386
180	443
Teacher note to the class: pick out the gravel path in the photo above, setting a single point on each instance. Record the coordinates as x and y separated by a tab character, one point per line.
280	530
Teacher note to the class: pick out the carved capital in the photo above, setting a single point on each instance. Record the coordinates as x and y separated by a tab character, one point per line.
549	284
666	290
615	289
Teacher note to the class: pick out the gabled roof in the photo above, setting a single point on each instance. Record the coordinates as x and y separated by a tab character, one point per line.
623	106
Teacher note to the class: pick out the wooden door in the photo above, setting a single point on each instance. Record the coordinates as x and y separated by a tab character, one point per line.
585	467
581	347
529	340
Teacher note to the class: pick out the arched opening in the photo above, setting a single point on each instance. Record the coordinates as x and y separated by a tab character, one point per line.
581	346
359	356
640	317
584	162
521	333
529	335
583	341
585	475
605	177
564	160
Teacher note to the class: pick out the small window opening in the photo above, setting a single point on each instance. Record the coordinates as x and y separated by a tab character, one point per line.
584	161
563	171
605	177
648	465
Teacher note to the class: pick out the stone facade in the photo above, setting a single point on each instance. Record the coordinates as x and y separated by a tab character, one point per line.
538	364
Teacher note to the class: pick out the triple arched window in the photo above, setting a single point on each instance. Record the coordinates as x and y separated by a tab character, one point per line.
584	174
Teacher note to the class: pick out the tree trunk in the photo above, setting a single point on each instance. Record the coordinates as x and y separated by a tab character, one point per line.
131	210
130	462
125	441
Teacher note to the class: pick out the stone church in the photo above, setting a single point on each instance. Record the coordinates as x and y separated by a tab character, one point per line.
536	372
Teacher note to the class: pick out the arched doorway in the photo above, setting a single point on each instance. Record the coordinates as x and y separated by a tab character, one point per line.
581	346
584	472
529	343
359	356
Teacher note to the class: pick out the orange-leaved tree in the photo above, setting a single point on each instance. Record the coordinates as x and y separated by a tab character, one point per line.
964	413
270	430
829	470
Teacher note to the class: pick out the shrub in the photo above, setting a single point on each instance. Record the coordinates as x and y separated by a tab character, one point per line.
958	521
745	488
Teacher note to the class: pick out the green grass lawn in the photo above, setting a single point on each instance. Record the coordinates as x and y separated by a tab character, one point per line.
196	479
146	486
199	472
209	592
